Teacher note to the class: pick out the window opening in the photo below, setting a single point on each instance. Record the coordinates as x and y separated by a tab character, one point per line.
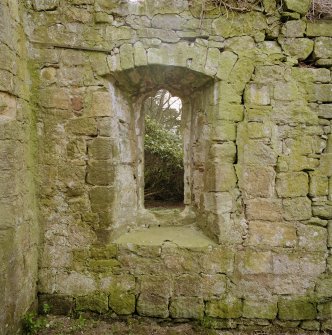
163	151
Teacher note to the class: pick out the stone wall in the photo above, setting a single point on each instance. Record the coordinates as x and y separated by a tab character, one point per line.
256	87
18	224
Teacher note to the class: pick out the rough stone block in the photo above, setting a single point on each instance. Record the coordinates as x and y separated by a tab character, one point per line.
297	208
310	325
223	131
82	126
218	260
218	202
104	252
126	56
264	209
256	152
324	287
325	167
325	310
296	309
149	304
187	308
294	28
319	185
323	47
258	130
258	309
223	152
230	307
256	181
254	262
101	173
213	285
40	5
329	234
320	92
140	57
188	285
54	98
301	48
101	198
159	285
257	94
299	6
322	211
220	177
95	303
286	91
272	234
290	185
319	28
102	148
227	61
312	238
98	103
103	265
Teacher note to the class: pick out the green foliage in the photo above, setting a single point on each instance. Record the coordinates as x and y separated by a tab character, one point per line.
163	162
32	323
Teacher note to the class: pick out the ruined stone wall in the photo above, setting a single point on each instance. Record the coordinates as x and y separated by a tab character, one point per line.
257	86
18	223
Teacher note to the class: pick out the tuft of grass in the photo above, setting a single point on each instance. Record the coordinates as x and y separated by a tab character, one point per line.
320	9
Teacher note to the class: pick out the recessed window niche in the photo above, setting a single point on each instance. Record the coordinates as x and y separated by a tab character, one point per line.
131	91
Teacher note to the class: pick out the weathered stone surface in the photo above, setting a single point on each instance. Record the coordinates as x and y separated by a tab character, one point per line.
299	48
272	234
319	185
102	149
325	311
323	47
230	307
298	6
264	209
257	94
290	185
297	208
101	198
319	28
256	181
150	304
312	237
254	262
253	309
95	303
294	28
101	172
296	309
324	287
187	308
220	178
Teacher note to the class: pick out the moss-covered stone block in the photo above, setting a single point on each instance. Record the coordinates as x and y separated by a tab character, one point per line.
296	309
122	303
323	211
230	307
325	310
102	148
220	177
260	309
310	325
101	173
297	208
153	305
324	287
290	185
319	28
294	28
213	285
299	6
187	308
319	185
82	126
101	198
95	302
323	47
103	265
104	252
